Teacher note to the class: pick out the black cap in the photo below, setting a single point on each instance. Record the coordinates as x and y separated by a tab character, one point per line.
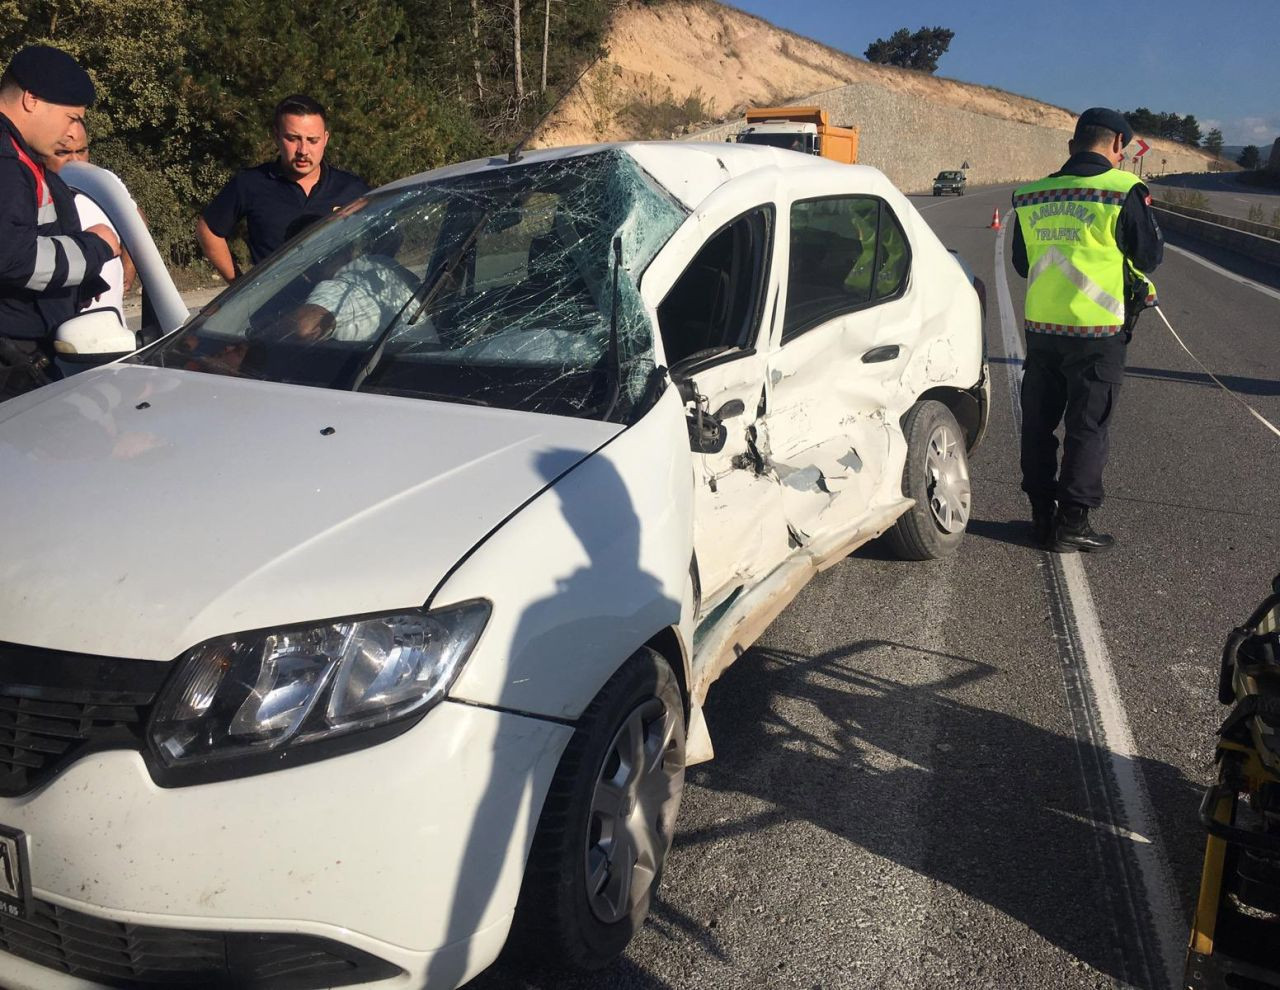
1112	120
52	75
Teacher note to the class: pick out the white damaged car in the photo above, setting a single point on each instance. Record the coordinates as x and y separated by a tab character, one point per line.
366	619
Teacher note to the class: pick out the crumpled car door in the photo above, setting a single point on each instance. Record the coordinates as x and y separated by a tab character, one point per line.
719	287
848	328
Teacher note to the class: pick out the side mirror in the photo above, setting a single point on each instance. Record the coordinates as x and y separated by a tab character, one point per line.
94	337
707	435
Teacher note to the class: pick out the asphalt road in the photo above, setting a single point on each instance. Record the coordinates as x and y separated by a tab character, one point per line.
1227	195
906	791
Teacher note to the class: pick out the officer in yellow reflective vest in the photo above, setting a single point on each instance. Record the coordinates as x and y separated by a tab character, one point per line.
1084	240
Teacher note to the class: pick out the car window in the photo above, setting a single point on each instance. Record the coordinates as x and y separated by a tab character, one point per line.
846	253
893	257
716	303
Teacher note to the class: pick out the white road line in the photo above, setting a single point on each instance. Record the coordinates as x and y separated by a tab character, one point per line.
1166	915
1264	289
1121	752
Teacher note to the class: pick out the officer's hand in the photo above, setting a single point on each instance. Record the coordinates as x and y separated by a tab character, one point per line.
108	235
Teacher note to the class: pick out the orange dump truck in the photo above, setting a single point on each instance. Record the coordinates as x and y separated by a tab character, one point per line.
805	129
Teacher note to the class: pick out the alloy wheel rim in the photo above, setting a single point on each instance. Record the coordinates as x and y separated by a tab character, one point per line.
633	810
947	481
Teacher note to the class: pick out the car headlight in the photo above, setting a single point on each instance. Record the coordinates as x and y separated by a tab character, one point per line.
282	690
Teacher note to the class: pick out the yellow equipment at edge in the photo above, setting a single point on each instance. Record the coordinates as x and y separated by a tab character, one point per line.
1235	936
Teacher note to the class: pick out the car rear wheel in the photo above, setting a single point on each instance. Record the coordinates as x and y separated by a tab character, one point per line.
936	475
607	822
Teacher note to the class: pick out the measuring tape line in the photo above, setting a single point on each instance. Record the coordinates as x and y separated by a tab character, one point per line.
1253	412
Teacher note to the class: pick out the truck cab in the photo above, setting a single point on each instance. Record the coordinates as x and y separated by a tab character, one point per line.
807	130
787	135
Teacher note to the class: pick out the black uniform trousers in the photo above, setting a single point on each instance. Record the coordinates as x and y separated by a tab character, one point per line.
1073	381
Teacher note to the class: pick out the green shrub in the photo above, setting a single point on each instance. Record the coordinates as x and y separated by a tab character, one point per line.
1190	199
656	112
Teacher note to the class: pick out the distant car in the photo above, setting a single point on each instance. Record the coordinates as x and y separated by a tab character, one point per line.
368	617
946	182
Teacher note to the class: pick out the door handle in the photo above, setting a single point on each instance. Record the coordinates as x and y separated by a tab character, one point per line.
888	352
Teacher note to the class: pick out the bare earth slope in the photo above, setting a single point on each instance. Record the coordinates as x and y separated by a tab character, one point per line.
730	60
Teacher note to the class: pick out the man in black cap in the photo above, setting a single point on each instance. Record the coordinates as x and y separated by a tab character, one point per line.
48	265
273	196
1085	238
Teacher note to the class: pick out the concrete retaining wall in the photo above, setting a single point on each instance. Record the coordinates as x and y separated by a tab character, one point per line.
911	140
1260	248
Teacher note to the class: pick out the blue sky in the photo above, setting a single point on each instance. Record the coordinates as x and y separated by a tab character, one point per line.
1217	59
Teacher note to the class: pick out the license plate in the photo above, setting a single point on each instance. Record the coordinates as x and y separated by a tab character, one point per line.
15	880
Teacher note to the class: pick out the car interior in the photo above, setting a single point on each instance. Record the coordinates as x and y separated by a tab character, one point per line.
716	304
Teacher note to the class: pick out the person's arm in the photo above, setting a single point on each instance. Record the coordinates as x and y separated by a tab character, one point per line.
217	250
1018	250
216	223
1137	234
45	264
130	269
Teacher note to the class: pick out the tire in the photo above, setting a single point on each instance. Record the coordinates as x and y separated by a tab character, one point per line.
577	908
936	475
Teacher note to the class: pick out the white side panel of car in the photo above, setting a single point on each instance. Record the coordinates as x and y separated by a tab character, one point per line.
585	574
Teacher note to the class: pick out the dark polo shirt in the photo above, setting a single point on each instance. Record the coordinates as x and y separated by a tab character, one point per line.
270	201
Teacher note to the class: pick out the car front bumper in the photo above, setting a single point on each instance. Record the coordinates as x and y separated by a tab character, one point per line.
411	850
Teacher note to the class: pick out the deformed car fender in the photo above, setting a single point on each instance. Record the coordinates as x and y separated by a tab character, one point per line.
585	574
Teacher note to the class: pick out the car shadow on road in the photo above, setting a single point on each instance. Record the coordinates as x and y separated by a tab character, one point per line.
1003	816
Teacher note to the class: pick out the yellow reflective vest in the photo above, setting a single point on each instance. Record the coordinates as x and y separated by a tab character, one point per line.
1076	277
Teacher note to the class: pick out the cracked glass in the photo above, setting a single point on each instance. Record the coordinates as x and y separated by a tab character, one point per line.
515	288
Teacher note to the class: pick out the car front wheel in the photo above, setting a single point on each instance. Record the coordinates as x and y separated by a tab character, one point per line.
607	823
936	475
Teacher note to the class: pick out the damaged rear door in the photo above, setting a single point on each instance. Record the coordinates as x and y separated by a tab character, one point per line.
711	326
848	329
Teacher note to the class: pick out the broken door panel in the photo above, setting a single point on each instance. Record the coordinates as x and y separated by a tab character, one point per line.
739	529
710	322
848	329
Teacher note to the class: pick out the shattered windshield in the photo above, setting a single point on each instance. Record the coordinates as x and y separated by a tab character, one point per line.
495	288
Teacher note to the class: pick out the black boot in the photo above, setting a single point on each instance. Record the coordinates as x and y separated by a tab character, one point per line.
1072	532
1043	511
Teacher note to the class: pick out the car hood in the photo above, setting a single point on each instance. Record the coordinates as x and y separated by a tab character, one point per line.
145	510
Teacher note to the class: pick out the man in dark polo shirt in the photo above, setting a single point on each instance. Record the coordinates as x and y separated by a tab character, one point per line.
272	196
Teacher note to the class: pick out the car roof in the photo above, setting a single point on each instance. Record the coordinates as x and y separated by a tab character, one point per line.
689	170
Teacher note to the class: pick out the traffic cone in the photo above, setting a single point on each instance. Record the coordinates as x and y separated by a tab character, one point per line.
995	218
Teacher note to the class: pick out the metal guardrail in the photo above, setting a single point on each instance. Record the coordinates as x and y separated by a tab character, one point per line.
1228	232
1248	226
